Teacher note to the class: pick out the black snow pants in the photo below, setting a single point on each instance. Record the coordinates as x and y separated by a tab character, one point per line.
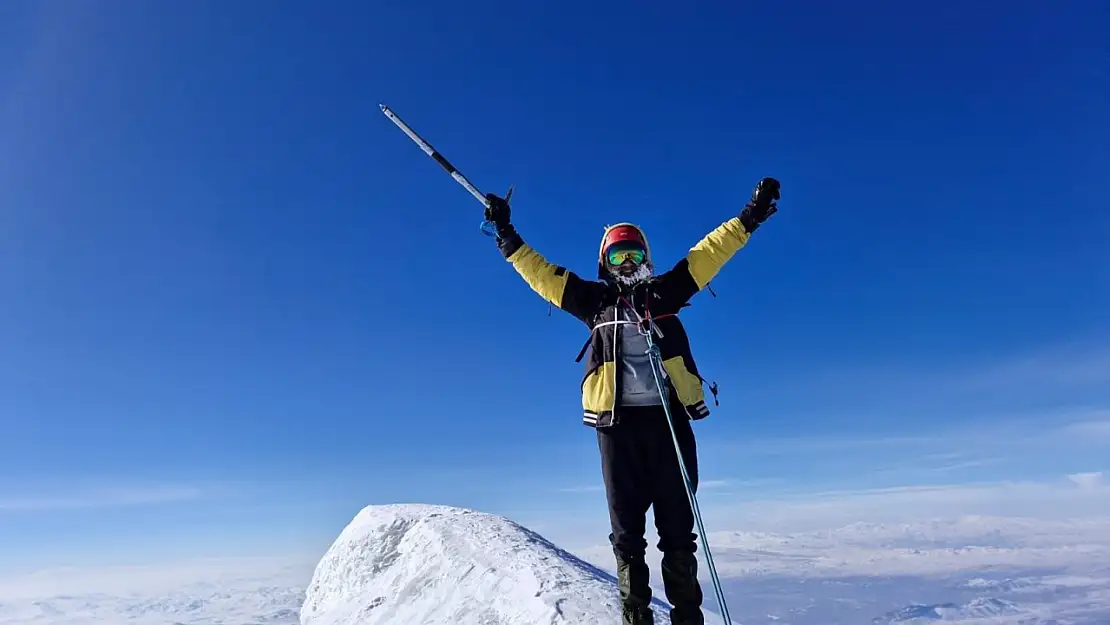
640	469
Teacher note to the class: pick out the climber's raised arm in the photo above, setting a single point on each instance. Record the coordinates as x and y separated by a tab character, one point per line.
556	284
706	258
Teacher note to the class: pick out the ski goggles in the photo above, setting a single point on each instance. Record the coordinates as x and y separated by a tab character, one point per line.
625	250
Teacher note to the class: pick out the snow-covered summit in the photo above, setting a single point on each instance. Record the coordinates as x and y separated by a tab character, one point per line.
430	565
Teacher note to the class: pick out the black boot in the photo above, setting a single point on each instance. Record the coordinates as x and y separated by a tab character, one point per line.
635	588
680	581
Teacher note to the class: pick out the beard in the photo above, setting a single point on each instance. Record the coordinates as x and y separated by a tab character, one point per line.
643	272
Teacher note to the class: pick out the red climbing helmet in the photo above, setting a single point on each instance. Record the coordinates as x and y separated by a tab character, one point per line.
623	236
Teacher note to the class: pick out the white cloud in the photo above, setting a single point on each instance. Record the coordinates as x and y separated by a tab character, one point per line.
966	464
927	466
1048	368
1091	480
150	579
909	530
811	445
806	511
1060	366
100	498
592	488
924	547
985	447
1094	428
702	485
900	530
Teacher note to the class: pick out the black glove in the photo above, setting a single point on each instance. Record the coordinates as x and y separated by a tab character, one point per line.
498	213
762	205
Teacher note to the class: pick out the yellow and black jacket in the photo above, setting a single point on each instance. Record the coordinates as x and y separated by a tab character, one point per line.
596	304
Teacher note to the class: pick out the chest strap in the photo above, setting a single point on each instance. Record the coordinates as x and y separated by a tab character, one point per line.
619	322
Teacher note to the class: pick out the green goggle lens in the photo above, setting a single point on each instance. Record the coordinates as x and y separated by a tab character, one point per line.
619	252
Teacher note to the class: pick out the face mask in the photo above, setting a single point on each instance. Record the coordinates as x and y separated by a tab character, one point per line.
642	272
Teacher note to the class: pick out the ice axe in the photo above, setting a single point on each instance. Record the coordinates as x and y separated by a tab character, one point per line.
443	162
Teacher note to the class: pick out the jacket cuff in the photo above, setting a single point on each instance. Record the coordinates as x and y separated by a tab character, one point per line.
747	220
509	241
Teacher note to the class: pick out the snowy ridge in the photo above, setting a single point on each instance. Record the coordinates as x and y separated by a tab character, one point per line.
436	565
975	609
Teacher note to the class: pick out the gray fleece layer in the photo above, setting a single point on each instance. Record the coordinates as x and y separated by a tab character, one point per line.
637	381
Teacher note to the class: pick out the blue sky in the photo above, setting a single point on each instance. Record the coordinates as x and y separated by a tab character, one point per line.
241	304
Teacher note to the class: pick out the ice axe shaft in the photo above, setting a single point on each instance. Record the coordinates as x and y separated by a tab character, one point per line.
443	162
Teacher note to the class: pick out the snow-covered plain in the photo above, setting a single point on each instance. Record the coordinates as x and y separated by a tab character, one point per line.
429	564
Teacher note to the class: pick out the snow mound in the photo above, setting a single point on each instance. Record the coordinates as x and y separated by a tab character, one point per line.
434	565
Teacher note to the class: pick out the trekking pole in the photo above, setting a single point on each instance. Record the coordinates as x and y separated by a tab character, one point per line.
657	372
430	151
